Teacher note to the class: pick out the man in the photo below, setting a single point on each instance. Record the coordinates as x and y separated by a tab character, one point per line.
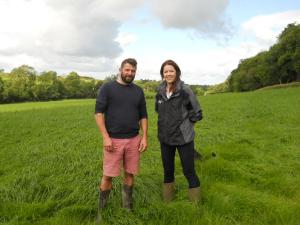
120	112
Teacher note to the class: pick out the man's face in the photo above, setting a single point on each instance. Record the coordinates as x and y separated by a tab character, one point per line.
127	73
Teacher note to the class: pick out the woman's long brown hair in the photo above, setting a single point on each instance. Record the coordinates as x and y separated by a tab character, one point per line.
177	69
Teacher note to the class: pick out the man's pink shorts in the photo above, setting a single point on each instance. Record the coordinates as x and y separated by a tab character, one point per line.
124	150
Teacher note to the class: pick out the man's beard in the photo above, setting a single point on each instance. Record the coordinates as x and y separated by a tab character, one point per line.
127	79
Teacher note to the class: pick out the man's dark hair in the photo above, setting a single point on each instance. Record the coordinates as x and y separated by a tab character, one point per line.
130	61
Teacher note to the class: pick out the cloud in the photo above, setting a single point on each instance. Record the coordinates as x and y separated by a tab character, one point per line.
61	33
198	67
87	36
206	17
214	65
264	29
125	38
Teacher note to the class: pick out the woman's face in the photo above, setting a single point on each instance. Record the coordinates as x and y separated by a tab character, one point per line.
169	73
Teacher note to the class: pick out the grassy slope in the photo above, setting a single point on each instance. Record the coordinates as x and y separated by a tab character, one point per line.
50	164
276	86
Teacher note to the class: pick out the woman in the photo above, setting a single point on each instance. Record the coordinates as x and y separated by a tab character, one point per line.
178	109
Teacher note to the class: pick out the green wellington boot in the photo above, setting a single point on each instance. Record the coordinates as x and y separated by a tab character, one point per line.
168	190
127	197
194	194
103	199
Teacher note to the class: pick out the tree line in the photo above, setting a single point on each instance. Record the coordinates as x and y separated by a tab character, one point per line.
280	64
25	84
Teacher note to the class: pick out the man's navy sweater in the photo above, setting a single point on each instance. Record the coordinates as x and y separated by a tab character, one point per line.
123	107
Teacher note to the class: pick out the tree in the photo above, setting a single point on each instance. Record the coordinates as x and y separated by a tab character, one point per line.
218	88
72	86
289	46
296	66
197	89
21	83
278	65
88	88
110	78
150	85
47	87
1	89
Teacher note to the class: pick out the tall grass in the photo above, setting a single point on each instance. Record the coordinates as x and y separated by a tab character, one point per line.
51	163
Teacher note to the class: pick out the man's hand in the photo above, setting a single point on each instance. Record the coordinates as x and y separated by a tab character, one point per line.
107	143
143	144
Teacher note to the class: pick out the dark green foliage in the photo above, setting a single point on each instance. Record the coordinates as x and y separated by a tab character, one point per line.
218	88
1	89
24	84
72	85
48	87
199	89
110	78
19	87
148	85
278	65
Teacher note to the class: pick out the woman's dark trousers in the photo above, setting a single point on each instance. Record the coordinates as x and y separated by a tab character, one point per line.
186	154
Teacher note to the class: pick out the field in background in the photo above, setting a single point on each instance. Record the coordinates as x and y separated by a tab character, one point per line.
50	164
277	86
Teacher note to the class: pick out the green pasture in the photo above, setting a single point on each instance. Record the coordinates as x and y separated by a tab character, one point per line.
51	162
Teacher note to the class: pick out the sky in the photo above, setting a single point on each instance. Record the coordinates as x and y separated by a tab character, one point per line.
207	38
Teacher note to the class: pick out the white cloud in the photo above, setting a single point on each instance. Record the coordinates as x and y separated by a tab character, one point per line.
125	38
85	36
62	33
266	27
215	65
206	17
202	67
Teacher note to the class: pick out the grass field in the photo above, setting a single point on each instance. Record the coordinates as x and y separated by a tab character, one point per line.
50	164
